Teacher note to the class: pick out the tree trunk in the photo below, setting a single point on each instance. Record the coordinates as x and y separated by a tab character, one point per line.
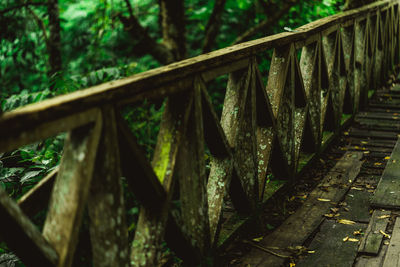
173	27
54	38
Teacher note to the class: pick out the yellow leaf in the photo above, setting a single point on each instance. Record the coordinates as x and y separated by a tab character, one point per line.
384	234
356	188
364	142
357	147
383	216
395	118
387	157
323	199
345	239
311	251
353	240
346	133
359	232
366	152
344	221
334	210
292	264
377	164
258	239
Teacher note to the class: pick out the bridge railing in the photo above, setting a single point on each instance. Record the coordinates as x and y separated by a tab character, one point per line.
319	76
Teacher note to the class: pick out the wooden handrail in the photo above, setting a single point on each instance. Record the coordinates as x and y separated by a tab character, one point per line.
264	129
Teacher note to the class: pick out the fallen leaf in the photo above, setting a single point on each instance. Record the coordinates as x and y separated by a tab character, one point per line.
353	240
346	133
364	142
387	157
311	251
356	188
384	216
334	210
331	215
258	239
377	164
359	232
344	221
366	152
345	239
395	118
384	234
292	264
386	242
323	199
346	209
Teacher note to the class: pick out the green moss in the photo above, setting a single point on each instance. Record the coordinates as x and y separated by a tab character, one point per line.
370	93
161	166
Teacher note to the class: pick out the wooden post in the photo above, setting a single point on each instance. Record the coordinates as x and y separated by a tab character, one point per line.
151	225
108	231
192	178
71	189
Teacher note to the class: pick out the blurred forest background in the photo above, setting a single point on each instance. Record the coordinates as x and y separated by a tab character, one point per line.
54	47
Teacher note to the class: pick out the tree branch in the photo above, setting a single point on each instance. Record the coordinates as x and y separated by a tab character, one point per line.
267	23
213	25
40	24
27	4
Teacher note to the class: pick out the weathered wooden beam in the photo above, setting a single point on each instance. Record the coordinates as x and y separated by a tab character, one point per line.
106	208
23	237
71	189
15	133
192	177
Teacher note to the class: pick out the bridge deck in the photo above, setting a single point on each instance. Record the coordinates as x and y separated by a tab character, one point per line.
343	221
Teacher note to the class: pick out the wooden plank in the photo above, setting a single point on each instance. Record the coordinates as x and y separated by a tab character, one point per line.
70	190
297	228
372	239
22	236
372	261
354	132
357	208
21	133
392	258
329	247
38	197
387	194
106	200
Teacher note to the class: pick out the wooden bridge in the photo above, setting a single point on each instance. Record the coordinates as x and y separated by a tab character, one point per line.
320	76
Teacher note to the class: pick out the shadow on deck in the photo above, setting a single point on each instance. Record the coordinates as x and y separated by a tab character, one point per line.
350	217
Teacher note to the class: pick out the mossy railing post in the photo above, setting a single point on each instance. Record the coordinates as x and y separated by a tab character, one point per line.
319	76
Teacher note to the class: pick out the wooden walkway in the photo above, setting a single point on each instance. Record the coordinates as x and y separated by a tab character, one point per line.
351	217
